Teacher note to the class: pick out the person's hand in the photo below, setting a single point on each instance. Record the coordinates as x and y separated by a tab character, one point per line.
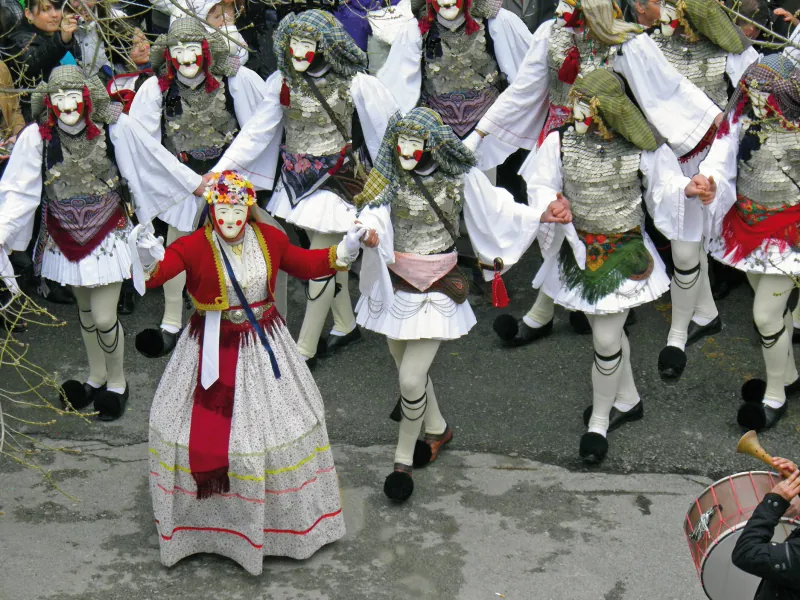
786	16
789	488
784	464
69	23
351	243
558	211
371	238
149	247
202	187
473	141
705	188
794	509
718	119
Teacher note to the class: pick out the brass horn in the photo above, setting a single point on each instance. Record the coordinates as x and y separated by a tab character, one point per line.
749	444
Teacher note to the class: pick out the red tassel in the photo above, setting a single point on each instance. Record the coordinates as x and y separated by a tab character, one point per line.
91	129
335	168
471	24
211	82
499	293
285	94
568	72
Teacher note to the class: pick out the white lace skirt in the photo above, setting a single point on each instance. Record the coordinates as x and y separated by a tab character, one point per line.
629	294
284	498
110	262
321	211
431	316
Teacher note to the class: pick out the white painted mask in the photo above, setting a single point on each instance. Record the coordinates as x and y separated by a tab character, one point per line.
758	100
409	151
449	9
302	51
669	19
583	117
229	220
68	106
187	58
564	12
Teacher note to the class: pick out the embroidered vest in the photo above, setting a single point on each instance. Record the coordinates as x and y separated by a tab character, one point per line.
594	55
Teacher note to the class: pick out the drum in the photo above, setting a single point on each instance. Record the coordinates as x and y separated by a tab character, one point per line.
714	523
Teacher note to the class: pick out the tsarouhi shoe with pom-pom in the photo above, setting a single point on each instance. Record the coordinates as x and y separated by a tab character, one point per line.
593	448
515	332
155	343
428	448
399	486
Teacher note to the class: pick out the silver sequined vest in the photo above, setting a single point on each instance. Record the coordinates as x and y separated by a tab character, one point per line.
203	124
309	129
766	178
594	55
465	64
602	182
702	62
417	228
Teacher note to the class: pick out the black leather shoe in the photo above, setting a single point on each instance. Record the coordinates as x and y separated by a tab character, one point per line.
79	395
593	448
753	390
579	322
515	332
56	293
334	343
311	363
111	405
796	336
759	416
127	300
617	418
698	332
671	363
155	343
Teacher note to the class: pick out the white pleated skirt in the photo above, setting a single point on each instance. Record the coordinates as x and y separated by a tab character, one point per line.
321	211
109	263
430	316
768	259
629	294
284	495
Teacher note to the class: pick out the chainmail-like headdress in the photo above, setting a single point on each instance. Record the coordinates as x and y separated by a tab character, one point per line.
708	18
96	102
776	75
338	48
612	110
446	150
216	54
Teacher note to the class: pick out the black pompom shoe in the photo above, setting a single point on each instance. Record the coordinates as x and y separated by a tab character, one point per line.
697	332
155	343
79	395
516	333
759	416
593	448
111	405
399	486
753	390
333	343
671	363
617	418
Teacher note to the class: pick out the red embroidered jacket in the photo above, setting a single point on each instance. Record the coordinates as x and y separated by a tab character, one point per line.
205	279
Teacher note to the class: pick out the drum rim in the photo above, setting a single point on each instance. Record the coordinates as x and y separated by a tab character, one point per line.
721	479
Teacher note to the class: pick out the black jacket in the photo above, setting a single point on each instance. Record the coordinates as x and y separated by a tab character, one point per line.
36	52
777	564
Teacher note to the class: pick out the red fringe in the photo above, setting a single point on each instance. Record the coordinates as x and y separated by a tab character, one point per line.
725	127
708	138
165	80
212	482
91	129
426	22
471	24
742	238
233	334
568	72
211	82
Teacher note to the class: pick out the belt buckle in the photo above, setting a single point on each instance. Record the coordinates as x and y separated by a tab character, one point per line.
237	316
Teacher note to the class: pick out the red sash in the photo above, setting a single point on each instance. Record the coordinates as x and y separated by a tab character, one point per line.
742	237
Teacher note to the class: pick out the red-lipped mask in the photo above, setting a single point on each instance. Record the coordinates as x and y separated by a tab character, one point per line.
68	106
187	58
302	52
448	10
229	220
409	151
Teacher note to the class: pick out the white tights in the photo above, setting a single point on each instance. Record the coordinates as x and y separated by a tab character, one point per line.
418	403
321	300
102	334
775	329
542	311
612	375
690	291
173	291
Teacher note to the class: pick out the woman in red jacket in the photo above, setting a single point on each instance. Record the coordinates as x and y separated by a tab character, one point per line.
240	463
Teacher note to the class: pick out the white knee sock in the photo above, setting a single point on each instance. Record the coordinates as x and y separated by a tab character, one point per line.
627	395
796	316
434	421
790	374
542	311
705	309
684	290
607	369
95	354
110	335
320	298
344	320
768	308
172	320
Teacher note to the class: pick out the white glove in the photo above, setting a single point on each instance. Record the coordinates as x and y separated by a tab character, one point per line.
347	250
7	273
149	247
473	142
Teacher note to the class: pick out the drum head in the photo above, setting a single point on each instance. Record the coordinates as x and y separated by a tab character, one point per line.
721	579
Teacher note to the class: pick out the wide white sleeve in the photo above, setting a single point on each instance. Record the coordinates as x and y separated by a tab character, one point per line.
21	190
664	191
248	90
721	163
375	105
518	115
156	178
374	281
402	71
146	107
544	180
793	50
511	39
498	226
677	108
737	64
254	151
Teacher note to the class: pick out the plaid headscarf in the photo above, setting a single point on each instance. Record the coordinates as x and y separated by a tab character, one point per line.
776	75
97	104
445	149
339	49
710	19
612	110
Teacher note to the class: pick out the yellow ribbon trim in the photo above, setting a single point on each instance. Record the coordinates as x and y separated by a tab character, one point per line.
305	460
221	301
262	453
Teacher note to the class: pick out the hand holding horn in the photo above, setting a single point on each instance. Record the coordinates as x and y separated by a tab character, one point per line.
749	444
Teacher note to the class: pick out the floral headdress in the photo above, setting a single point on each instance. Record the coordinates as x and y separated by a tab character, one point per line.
230	187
